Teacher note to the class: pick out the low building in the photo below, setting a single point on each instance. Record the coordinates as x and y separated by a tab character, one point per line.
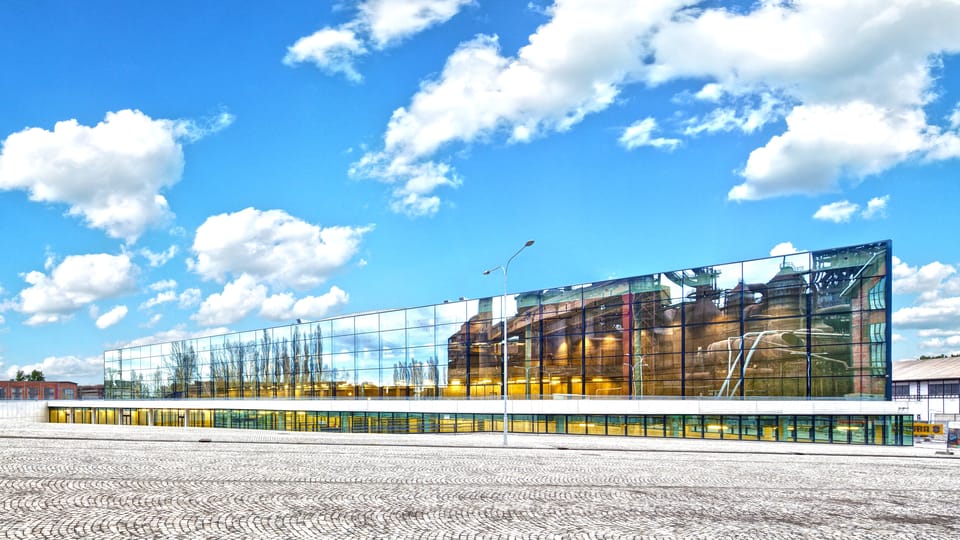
788	348
930	387
38	390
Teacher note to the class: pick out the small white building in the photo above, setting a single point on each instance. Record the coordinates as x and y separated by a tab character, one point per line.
931	388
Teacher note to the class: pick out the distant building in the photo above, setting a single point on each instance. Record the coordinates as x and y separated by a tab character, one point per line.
931	386
38	390
90	391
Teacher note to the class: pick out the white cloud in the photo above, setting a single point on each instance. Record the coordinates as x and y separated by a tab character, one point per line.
111	317
111	174
65	368
876	207
159	259
153	321
78	281
284	307
572	66
332	50
826	142
390	21
236	301
189	298
176	333
379	24
272	246
162	297
752	116
912	280
940	343
854	105
163	285
936	309
167	292
710	92
783	248
639	134
245	295
837	212
935	313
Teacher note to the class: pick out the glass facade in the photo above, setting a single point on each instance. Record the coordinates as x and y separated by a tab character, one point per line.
813	325
891	430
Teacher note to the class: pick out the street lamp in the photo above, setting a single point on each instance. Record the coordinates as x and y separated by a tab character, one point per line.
503	313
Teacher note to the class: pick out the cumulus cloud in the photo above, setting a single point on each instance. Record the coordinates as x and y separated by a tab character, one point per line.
161	297
783	248
876	207
826	142
236	301
111	317
245	295
844	211
936	304
163	285
938	313
189	298
111	175
330	49
159	259
78	281
913	279
177	333
379	24
284	307
65	368
572	66
272	246
852	107
640	134
153	321
837	212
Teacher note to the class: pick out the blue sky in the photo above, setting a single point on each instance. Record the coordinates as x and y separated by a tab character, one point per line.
180	168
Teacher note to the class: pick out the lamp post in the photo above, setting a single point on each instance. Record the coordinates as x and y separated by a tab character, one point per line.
503	313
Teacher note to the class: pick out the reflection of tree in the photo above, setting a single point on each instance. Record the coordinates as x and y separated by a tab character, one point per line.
182	365
417	375
220	371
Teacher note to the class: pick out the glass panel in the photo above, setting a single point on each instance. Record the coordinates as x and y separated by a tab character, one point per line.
420	317
343	326
393	320
367	323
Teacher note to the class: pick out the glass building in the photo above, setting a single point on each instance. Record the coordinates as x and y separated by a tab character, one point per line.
803	327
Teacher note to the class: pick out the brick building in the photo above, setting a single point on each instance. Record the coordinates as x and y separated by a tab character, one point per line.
38	390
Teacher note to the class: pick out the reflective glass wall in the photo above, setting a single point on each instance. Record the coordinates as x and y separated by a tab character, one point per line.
800	326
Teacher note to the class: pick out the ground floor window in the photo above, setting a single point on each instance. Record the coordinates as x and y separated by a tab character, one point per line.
894	430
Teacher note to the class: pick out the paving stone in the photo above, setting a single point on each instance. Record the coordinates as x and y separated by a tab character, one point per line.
73	481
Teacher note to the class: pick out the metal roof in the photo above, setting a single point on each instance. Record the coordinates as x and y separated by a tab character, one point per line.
927	369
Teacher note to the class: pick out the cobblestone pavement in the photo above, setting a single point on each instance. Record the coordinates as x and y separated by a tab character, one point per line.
62	481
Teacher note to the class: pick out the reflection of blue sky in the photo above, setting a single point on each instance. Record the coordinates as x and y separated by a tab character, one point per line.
381	340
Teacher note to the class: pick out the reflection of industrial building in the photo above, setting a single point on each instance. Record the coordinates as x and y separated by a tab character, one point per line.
799	327
808	333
